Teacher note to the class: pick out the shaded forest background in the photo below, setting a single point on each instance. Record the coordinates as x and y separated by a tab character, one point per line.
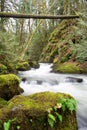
43	40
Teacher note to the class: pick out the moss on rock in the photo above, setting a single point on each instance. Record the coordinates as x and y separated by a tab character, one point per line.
67	67
31	112
22	66
9	86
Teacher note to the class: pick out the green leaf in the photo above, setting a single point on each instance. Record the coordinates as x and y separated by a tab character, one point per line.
68	103
52	117
51	120
6	125
71	104
63	107
59	116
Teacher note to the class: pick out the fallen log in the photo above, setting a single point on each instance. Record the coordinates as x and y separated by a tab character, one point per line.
33	16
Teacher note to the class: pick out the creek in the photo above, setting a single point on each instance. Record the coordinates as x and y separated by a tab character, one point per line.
42	79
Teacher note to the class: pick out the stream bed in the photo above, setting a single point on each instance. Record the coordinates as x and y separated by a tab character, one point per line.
42	79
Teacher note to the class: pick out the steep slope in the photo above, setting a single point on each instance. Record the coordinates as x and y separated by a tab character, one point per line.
59	50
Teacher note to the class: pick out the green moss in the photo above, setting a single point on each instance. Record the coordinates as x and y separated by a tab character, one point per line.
22	66
60	42
11	68
3	69
67	68
31	112
9	79
9	86
57	33
2	102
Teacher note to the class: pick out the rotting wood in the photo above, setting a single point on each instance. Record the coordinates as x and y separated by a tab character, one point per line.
28	16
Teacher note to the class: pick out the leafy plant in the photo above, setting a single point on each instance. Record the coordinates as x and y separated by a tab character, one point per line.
68	103
64	104
51	120
7	124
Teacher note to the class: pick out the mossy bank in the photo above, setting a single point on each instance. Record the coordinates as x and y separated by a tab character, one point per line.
31	112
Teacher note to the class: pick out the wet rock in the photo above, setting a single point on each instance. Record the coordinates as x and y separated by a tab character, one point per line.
73	79
39	82
23	79
31	112
9	86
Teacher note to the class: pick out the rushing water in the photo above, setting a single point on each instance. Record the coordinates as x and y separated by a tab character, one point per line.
39	80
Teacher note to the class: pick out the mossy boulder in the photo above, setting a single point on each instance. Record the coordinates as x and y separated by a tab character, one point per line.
31	112
33	63
67	67
22	66
3	69
9	86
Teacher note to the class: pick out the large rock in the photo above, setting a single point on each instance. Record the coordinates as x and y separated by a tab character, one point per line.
9	86
73	79
31	112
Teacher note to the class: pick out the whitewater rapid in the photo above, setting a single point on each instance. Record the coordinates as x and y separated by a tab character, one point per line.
42	79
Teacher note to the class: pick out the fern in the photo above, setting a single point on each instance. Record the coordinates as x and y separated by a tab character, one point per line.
64	104
51	120
59	116
68	103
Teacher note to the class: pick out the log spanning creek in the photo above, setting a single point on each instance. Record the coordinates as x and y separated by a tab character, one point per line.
42	79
